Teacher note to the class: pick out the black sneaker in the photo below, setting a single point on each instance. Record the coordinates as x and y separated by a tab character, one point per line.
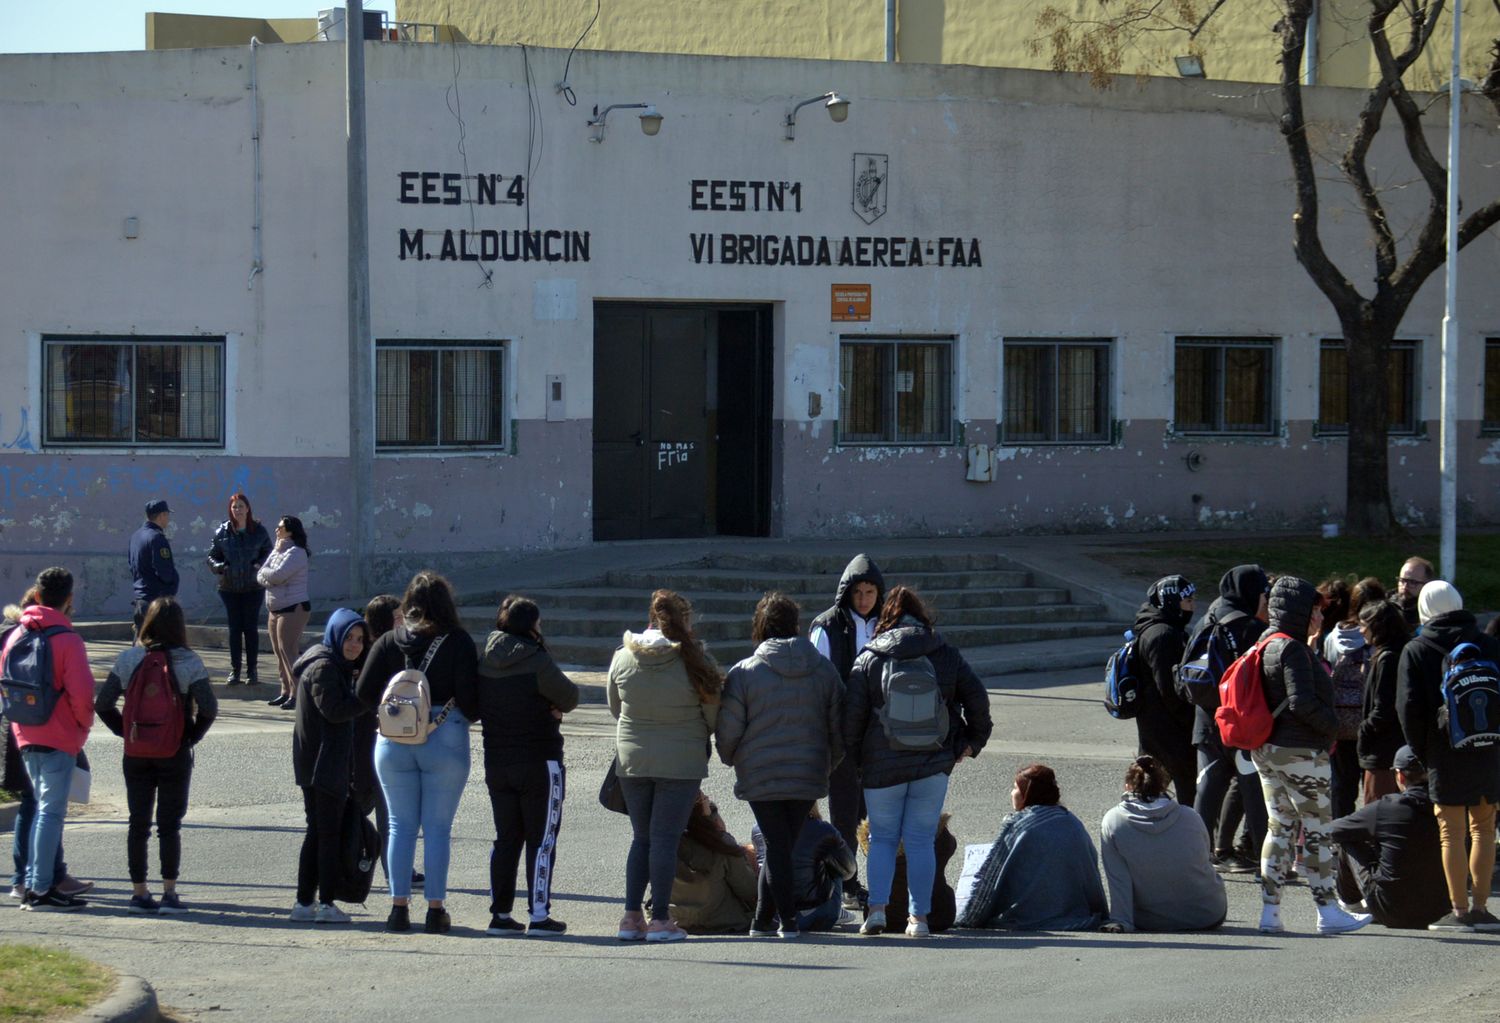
855	896
1482	920
504	926
546	928
233	679
290	704
276	701
417	877
1238	863
438	921
399	920
52	902
1451	922
144	904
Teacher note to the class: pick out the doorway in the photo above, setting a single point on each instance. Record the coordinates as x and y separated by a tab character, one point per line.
682	420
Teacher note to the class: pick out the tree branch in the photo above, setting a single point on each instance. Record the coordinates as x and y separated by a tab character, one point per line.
1193	32
1355	162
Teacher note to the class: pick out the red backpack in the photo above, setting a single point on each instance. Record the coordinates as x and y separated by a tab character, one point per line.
1244	718
155	715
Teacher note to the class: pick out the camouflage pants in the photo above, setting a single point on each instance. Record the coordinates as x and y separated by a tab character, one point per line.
1296	785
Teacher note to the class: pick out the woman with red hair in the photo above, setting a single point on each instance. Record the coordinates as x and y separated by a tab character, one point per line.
241	544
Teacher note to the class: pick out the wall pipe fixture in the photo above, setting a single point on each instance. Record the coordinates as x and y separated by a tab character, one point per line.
650	119
836	105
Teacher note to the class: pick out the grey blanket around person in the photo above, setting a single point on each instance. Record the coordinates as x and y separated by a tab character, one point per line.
1041	874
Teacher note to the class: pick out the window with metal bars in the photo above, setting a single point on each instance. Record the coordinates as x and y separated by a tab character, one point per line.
1056	391
1491	420
129	391
1225	385
896	390
439	395
1401	387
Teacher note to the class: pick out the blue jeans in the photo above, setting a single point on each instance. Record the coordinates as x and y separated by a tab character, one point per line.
422	786
824	917
20	848
50	774
905	815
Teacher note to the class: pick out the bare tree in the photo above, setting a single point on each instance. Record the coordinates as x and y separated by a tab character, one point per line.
1403	260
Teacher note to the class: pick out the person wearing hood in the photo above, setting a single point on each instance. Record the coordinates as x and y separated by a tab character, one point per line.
1384	628
1157	859
522	698
905	788
664	694
1164	721
423	782
1390	855
1464	783
323	757
1293	763
50	750
155	784
1241	612
779	727
840	633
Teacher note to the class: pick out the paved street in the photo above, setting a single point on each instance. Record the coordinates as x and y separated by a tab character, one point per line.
237	954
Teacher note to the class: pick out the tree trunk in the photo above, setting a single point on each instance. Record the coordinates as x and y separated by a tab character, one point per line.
1367	480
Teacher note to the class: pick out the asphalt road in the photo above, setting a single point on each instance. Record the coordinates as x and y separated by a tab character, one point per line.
237	956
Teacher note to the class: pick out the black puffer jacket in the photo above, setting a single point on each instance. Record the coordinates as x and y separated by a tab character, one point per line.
1455	777
1161	635
780	721
865	742
519	687
1239	599
837	622
1291	672
1380	734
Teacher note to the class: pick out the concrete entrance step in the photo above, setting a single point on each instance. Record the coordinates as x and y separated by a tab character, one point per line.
758	581
711	602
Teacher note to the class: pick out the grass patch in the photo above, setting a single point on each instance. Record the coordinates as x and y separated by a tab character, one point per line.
1204	561
7	796
46	984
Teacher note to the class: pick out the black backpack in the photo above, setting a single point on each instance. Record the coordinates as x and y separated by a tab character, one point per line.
359	851
1470	714
1204	662
1122	686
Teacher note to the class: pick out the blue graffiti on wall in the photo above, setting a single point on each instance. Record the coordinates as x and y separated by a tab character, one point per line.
22	440
203	487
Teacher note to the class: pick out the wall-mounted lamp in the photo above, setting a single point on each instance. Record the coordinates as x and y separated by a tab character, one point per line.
836	105
1190	66
650	119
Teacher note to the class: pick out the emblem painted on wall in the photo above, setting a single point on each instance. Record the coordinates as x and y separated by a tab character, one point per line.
871	172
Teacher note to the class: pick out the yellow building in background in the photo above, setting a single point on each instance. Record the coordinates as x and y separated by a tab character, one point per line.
1239	43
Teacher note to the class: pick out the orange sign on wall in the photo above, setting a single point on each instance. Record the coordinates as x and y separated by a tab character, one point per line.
851	303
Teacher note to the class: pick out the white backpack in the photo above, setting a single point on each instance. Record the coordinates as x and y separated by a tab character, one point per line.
405	712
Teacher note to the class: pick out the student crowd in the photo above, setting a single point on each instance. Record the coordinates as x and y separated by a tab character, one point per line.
872	709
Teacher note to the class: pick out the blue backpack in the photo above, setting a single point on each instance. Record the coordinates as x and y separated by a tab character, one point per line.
1122	690
1471	698
1212	651
26	680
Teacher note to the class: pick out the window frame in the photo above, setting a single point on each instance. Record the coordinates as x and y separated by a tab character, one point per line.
1413	384
1104	348
1491	350
1222	343
440	347
890	412
134	342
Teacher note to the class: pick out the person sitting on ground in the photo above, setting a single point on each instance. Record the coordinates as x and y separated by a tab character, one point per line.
715	888
944	902
1156	857
156	783
1042	873
822	863
1390	856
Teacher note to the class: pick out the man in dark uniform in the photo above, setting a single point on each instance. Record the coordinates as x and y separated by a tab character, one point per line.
151	564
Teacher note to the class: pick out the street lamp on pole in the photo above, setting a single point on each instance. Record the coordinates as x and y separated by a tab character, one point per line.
1448	397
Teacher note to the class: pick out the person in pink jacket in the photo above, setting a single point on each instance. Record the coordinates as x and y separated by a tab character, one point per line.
49	750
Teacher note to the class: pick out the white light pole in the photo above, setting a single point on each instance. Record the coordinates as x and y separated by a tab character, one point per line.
1448	397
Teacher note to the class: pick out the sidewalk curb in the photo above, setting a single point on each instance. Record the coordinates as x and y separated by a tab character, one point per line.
133	1001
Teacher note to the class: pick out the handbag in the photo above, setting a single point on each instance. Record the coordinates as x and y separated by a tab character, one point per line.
611	797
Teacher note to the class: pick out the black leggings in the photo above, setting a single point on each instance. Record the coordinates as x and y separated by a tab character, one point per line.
159	785
243	612
846	808
318	866
780	823
1217	773
527	800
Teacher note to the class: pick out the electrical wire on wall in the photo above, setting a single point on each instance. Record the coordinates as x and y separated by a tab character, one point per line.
563	86
455	107
535	134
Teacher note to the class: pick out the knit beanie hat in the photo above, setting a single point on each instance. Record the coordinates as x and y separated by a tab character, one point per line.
1438	598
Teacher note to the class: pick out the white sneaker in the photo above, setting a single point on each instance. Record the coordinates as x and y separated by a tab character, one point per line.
1270	919
917	928
328	913
303	913
1333	920
874	924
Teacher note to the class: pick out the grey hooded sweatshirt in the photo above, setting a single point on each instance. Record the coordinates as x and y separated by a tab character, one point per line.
1156	860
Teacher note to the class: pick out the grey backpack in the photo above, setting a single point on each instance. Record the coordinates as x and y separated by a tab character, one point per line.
914	714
